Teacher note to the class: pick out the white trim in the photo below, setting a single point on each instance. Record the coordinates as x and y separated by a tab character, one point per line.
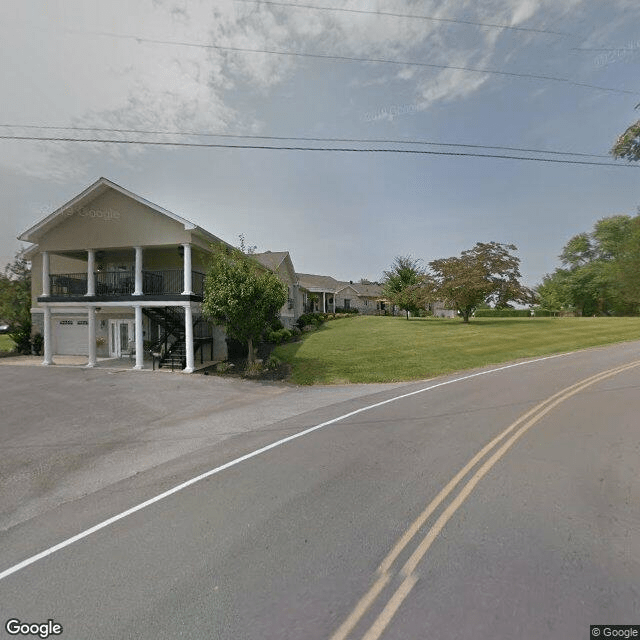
138	272
91	275
48	350
138	338
186	269
91	330
46	283
32	234
188	338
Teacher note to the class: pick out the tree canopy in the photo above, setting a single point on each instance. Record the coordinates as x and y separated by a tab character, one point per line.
627	145
241	296
486	273
597	273
406	284
15	301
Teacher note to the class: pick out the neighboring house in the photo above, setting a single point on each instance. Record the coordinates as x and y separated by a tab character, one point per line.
366	298
440	310
113	273
318	292
324	293
279	262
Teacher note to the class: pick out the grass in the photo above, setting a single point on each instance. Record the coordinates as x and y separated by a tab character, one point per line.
6	343
388	349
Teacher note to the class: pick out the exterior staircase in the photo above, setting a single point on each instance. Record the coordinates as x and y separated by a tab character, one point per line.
173	336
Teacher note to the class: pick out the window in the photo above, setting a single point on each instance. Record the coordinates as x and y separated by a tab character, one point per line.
347	303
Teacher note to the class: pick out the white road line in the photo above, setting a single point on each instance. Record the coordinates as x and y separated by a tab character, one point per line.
109	521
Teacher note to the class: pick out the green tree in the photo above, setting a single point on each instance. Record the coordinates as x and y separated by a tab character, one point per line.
406	285
628	144
553	293
593	279
15	301
241	296
486	273
625	271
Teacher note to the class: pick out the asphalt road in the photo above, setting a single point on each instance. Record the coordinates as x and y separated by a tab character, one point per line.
376	525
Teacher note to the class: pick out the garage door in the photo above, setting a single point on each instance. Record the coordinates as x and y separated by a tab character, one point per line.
70	336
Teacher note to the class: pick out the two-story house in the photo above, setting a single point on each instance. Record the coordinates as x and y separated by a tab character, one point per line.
114	274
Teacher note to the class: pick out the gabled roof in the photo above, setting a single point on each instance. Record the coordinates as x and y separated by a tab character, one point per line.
270	259
100	186
369	290
311	281
347	285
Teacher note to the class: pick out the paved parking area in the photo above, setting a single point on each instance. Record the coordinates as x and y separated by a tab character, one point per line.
67	431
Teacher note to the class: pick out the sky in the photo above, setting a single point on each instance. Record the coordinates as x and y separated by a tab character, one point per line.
204	67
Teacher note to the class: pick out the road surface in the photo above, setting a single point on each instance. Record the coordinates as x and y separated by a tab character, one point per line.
500	503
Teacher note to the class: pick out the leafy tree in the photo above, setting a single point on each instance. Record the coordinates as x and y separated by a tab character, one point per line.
625	271
248	250
553	293
628	144
241	296
486	273
594	278
405	284
15	301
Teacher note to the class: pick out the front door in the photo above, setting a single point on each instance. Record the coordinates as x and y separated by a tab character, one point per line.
121	335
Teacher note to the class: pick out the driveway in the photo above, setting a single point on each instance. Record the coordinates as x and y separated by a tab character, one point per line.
66	432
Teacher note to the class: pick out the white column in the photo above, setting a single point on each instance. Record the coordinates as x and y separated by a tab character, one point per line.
188	331
186	264
47	336
139	342
92	336
46	290
91	275
323	303
334	302
138	282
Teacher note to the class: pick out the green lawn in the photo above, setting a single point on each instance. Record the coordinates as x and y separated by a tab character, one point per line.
6	343
387	349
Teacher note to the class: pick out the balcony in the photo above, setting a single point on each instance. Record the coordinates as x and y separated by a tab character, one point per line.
121	284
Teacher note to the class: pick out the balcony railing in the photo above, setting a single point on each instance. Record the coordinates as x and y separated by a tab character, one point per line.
122	283
68	284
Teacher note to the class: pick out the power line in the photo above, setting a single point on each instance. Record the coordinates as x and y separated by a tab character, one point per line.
325	149
309	139
406	15
324	56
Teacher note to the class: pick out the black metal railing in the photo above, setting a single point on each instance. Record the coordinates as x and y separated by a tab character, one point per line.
197	282
114	283
122	283
68	284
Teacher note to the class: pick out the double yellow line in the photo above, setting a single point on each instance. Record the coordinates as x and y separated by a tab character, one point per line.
499	448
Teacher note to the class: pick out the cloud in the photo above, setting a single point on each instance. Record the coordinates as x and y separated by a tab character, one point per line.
80	73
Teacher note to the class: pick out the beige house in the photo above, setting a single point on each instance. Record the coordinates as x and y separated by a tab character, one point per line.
279	262
114	274
326	294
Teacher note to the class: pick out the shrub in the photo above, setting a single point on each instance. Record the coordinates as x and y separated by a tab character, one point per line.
502	313
22	338
279	336
37	344
254	369
273	363
310	318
